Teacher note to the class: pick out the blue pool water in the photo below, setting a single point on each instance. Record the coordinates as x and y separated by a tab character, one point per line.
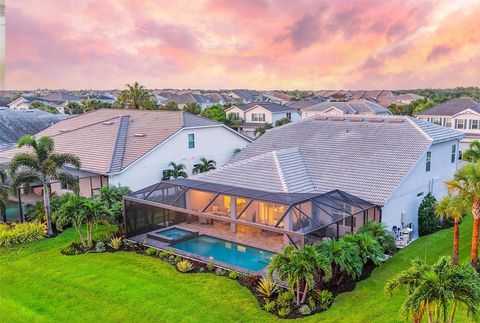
174	233
226	251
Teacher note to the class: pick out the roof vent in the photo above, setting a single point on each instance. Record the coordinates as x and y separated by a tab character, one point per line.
63	130
139	135
107	123
30	111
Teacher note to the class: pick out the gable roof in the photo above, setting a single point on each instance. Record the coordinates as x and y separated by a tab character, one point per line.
60	97
270	106
302	104
109	140
366	156
452	107
350	107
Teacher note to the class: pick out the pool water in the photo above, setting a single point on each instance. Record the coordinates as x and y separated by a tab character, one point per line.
227	252
13	211
174	233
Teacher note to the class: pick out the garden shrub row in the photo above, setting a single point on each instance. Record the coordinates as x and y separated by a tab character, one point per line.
15	233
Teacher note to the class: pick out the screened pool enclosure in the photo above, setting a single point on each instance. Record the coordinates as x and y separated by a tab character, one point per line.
297	217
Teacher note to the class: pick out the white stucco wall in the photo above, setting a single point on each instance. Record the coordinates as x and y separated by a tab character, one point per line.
405	198
295	116
217	143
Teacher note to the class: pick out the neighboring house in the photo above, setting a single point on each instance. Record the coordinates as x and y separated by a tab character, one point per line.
59	100
256	114
245	96
16	123
363	107
462	114
134	147
302	104
23	102
103	97
318	178
186	98
216	98
407	98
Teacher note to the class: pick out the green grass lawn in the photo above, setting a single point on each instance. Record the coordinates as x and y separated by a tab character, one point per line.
38	284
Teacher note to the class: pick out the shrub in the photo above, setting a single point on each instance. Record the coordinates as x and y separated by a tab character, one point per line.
69	251
233	275
305	310
177	259
100	247
104	237
115	243
164	254
285	299
269	306
210	266
311	304
380	233
325	299
184	266
368	247
284	311
220	272
427	221
151	252
21	232
266	287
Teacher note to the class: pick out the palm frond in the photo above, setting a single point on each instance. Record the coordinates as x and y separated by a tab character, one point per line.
24	177
23	160
65	159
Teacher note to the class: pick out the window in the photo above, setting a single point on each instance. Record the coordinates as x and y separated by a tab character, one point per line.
420	194
448	122
454	153
234	115
289	116
65	186
258	117
191	140
165	174
473	124
437	121
429	161
460	124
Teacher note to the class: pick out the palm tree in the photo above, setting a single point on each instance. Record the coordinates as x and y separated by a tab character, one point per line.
473	152
437	290
204	166
135	97
261	130
342	255
41	164
466	183
93	210
3	195
368	247
282	121
176	171
452	207
72	212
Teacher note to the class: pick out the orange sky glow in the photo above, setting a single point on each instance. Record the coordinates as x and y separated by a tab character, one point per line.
256	44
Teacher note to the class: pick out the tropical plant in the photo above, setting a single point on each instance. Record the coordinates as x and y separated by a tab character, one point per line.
192	108
261	130
267	287
73	108
44	165
368	247
93	210
325	299
41	106
305	310
135	97
233	275
21	232
269	306
472	154
204	165
72	212
285	299
427	221
466	183
115	243
169	106
215	112
151	252
284	311
453	207
3	195
175	171
342	255
184	266
112	196
90	105
380	233
437	290
282	121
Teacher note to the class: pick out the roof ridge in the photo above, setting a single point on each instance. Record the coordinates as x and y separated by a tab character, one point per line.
416	126
281	175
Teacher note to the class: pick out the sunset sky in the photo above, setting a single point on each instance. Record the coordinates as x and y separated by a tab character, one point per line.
276	44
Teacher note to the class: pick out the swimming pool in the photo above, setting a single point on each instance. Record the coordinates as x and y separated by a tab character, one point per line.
227	252
13	211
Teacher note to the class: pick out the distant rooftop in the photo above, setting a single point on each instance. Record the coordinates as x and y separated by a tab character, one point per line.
270	106
452	107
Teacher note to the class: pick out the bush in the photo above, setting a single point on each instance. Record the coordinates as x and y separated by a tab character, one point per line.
266	287
69	251
269	306
311	304
100	247
325	299
115	243
380	233
104	237
305	310
210	266
285	299
177	259
151	252
427	221
368	247
233	275
21	232
164	254
284	311
220	272
184	266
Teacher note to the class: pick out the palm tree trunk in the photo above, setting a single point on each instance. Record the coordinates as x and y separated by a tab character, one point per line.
3	211
454	308
456	242
46	203
298	293
429	313
475	233
305	292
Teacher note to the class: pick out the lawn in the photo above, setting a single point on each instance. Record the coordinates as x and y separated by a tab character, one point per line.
38	284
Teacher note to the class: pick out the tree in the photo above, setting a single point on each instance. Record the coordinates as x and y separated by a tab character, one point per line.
452	207
41	106
342	255
205	165
93	210
73	108
112	197
368	247
380	233
215	112
472	154
72	212
192	108
91	105
176	171
169	106
427	222
44	165
282	121
466	183
437	290
135	97
261	130
3	195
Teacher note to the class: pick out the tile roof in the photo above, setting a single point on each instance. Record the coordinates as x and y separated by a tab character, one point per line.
452	107
350	107
366	156
270	106
108	140
302	104
60	97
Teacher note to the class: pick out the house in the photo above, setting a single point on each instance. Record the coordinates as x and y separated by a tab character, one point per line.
183	99
321	177
216	98
23	102
256	114
16	123
407	98
302	104
245	96
462	114
134	147
102	97
59	100
364	107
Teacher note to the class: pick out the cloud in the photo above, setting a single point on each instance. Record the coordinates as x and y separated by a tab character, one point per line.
438	52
